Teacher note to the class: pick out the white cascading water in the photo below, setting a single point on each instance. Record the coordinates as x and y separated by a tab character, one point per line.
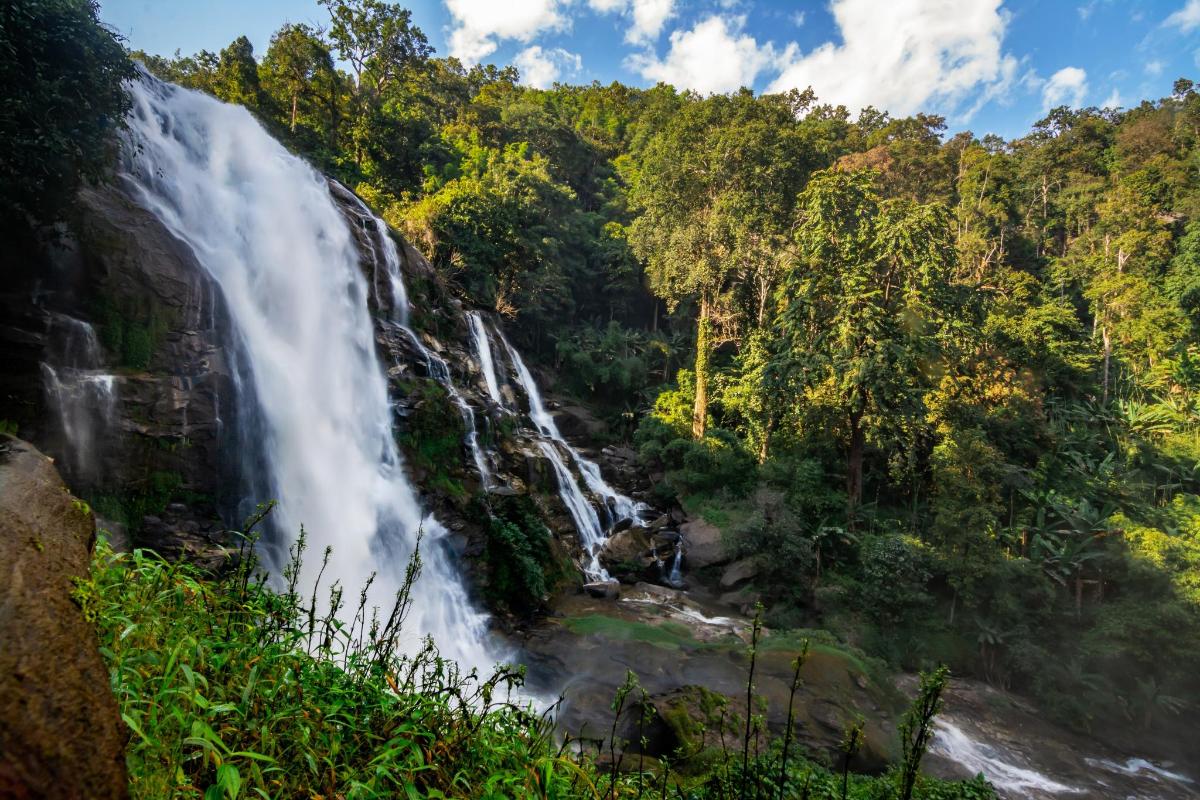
592	531
616	504
436	366
391	255
82	395
262	222
439	370
1012	780
483	353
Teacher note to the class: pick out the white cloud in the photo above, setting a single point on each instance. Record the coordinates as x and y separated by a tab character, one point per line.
1068	87
1186	18
906	55
1113	100
649	16
540	68
714	56
479	23
798	19
1154	68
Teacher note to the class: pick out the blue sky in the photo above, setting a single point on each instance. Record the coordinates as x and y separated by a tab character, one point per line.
991	66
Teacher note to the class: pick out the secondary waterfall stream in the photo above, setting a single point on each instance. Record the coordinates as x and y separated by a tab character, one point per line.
262	222
435	365
615	506
81	394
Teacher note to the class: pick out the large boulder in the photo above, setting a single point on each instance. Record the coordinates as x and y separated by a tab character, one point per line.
628	546
739	572
702	544
61	733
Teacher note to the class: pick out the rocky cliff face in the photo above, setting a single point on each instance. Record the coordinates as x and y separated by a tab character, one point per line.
60	731
118	365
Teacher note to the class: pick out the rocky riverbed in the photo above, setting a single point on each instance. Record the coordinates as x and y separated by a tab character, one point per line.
676	642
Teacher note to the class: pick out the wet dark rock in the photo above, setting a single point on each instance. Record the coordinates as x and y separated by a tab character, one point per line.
117	269
60	731
179	534
631	545
578	424
660	522
711	654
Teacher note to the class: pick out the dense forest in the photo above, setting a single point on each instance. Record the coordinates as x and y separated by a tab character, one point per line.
945	388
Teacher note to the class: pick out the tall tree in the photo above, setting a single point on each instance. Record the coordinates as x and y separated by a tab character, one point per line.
236	80
863	304
715	191
298	67
377	39
62	72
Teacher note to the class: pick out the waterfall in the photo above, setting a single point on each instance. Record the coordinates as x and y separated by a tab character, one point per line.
954	743
483	352
617	506
82	396
391	255
264	225
591	533
439	370
434	364
675	577
84	401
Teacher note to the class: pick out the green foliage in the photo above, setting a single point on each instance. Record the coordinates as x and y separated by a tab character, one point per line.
150	497
521	564
62	71
231	690
431	435
129	333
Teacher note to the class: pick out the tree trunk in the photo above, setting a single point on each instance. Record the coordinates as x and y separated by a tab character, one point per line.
1107	360
703	354
295	98
854	467
765	446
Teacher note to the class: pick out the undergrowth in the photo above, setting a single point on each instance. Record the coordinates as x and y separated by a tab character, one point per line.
233	690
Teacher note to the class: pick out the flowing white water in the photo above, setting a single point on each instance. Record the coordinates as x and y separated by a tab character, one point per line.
391	255
483	352
84	401
616	505
1013	780
592	531
675	577
439	370
1136	767
263	224
82	396
591	534
435	365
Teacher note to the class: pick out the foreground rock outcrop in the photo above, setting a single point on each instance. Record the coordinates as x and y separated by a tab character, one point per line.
61	734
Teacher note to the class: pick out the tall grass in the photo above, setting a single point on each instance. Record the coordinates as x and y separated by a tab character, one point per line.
233	690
